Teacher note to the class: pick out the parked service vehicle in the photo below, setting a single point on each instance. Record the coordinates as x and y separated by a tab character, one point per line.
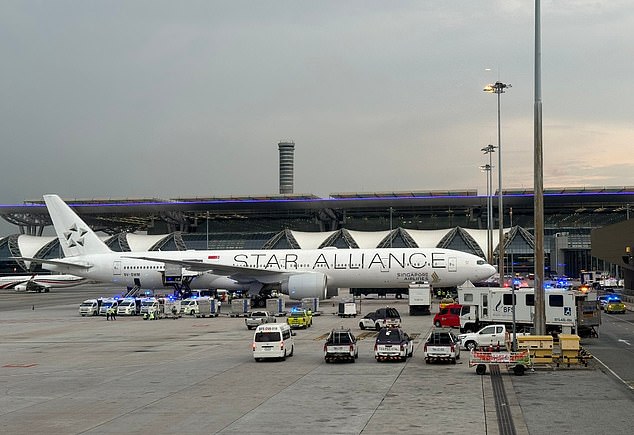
442	345
150	304
387	317
273	340
90	307
300	318
566	311
341	344
106	304
490	336
347	309
448	317
257	318
419	298
614	306
604	299
393	344
129	307
199	307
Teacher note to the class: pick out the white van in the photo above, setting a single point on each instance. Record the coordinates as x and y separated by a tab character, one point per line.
89	307
273	340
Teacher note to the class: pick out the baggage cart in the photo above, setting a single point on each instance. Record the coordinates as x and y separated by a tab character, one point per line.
517	361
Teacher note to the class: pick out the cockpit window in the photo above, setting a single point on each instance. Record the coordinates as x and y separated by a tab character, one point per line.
481	262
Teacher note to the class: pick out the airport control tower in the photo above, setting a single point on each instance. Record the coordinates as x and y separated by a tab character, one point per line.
287	166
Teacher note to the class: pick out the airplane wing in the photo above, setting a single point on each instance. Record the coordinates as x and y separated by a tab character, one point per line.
58	261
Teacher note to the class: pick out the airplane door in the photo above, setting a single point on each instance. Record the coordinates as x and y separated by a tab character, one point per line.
116	268
452	264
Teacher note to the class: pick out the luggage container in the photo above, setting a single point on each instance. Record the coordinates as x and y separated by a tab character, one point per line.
276	306
240	307
311	304
347	309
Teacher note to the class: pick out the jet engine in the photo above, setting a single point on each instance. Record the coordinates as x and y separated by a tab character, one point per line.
306	285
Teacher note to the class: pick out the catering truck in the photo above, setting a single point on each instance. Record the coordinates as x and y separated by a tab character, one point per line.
566	311
419	299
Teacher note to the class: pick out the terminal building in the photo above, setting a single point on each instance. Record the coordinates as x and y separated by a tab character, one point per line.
445	219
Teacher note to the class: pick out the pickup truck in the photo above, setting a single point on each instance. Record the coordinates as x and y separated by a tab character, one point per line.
441	345
393	344
381	318
299	318
493	335
257	318
341	344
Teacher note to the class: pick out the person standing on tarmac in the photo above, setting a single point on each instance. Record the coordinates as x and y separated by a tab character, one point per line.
108	314
113	315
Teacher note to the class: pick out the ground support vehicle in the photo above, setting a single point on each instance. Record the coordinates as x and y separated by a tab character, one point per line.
387	317
517	361
441	345
90	307
419	299
340	345
614	306
347	309
129	307
273	341
566	311
299	318
448	317
107	304
148	304
172	308
393	344
490	337
257	318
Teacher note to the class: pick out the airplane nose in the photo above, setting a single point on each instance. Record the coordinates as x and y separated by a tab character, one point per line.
488	271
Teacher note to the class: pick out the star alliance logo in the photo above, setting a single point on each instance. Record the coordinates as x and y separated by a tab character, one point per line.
75	236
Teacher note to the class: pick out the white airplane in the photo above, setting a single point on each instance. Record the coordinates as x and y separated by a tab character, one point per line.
40	283
299	273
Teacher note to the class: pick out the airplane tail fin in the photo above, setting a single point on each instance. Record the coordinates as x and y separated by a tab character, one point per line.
75	237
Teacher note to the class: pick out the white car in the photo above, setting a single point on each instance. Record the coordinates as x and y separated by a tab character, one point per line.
258	318
381	318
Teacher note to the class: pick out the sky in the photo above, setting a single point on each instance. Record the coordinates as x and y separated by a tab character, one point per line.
154	98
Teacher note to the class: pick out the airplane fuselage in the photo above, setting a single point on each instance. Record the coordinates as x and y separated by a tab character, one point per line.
357	268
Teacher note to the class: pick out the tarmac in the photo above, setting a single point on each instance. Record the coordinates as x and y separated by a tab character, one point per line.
65	374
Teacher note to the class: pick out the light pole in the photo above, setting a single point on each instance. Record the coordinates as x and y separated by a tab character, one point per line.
499	88
489	149
487	169
207	232
514	342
